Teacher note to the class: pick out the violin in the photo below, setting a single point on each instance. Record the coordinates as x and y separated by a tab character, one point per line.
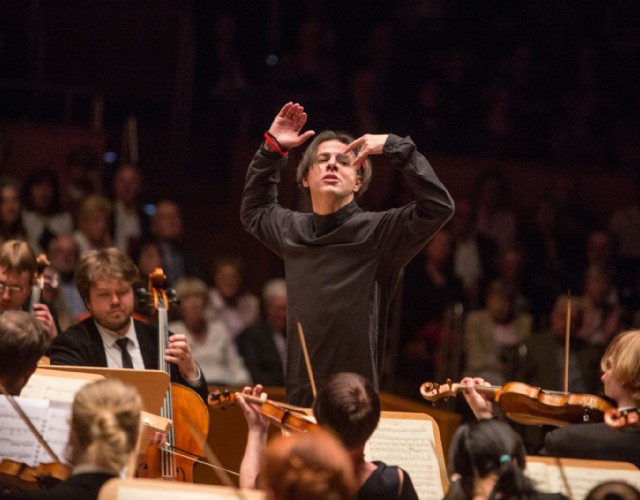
18	476
288	417
42	263
529	405
619	419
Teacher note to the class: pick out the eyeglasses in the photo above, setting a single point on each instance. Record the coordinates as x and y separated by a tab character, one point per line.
11	288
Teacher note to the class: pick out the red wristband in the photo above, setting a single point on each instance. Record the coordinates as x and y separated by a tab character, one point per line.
273	142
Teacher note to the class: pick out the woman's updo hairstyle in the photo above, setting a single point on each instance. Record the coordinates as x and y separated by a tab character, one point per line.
105	422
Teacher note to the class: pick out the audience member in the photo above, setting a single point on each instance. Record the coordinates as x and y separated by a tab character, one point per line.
105	423
211	344
23	341
620	367
10	210
473	254
43	217
178	258
94	223
64	254
430	289
227	300
110	337
494	217
263	345
130	222
17	277
602	315
493	336
81	179
487	460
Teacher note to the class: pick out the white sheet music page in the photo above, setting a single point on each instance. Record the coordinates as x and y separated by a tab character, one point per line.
53	388
16	440
410	444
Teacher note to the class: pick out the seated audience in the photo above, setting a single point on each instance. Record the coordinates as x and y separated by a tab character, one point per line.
64	255
43	217
227	300
263	345
620	365
130	222
487	460
211	345
94	223
105	422
17	277
348	405
492	337
10	210
178	258
602	314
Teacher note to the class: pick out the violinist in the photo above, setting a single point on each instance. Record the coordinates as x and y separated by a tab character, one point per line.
348	405
23	341
105	422
18	267
105	279
620	367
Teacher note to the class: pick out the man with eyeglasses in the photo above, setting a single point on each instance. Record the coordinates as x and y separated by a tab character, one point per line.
17	276
342	264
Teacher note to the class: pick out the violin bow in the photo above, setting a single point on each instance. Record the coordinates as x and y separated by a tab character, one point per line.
307	361
566	344
23	416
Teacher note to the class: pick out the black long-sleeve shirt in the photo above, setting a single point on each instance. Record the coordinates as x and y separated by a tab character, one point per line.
342	269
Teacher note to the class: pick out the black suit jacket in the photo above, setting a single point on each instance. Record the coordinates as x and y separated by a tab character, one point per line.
594	441
81	345
260	354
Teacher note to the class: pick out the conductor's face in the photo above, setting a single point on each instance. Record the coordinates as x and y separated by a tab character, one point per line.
111	304
333	172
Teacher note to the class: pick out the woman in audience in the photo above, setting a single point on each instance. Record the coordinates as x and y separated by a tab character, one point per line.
487	460
105	422
211	344
43	217
10	210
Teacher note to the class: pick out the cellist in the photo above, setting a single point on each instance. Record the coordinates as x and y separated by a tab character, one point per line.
18	266
105	279
620	367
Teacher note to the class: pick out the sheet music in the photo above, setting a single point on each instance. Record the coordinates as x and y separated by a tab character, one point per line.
53	388
16	440
581	479
56	430
410	444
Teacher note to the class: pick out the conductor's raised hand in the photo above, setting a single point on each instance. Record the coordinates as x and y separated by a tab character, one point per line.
287	125
368	144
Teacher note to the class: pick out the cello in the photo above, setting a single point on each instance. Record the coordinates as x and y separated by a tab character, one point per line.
183	406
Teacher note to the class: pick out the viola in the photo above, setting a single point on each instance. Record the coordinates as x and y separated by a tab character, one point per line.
42	263
18	476
529	405
288	417
619	419
182	405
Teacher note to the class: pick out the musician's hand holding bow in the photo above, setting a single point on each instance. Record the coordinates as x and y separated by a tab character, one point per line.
179	353
480	404
256	438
